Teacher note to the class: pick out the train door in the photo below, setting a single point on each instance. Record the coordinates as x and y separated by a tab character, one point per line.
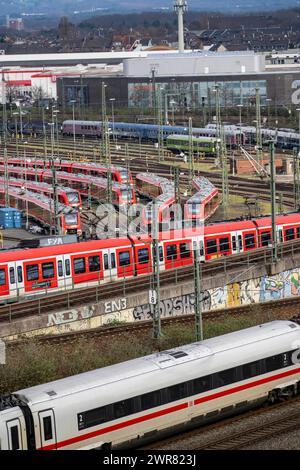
109	264
60	269
47	429
67	279
237	242
20	291
4	281
280	238
12	280
14	434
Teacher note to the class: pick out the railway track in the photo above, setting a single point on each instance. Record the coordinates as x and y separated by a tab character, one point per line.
287	308
239	435
235	265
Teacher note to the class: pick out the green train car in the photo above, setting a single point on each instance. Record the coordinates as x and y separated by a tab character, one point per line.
181	143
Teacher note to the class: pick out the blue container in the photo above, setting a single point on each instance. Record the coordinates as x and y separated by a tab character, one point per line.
8	218
17	219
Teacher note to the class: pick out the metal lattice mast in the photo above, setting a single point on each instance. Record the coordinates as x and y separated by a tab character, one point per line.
191	151
106	144
221	150
156	274
273	201
259	154
153	91
296	179
198	297
159	124
54	184
4	130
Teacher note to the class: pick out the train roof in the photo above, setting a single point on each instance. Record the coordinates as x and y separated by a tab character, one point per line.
280	220
236	342
82	247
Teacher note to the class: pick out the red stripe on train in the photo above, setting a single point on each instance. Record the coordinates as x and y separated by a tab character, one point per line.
172	409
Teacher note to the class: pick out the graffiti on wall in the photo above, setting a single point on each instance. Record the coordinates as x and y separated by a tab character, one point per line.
183	305
69	316
285	284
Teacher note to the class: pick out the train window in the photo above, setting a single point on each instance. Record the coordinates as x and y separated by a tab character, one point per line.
150	400
92	417
79	265
176	392
14	436
233	243
224	377
185	251
171	252
124	258
105	258
211	246
281	235
123	408
60	268
143	256
265	238
113	261
201	248
94	263
224	244
12	276
273	362
298	232
68	267
289	234
32	272
48	270
250	370
249	240
48	434
20	274
202	384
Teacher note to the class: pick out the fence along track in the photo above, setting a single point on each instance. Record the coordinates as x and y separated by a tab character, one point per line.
103	291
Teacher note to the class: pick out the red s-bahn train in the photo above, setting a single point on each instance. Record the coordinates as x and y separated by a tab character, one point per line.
25	273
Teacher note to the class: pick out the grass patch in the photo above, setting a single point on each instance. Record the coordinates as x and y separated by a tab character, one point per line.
31	363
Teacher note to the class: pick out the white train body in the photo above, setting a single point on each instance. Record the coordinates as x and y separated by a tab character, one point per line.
145	398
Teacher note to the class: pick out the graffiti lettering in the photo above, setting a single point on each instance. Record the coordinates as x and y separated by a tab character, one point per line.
115	305
69	316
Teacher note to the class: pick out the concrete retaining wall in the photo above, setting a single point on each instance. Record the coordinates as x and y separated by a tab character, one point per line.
243	286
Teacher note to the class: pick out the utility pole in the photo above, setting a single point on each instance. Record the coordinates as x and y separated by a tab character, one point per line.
176	184
259	153
191	151
296	178
4	129
273	202
159	124
106	144
154	294
221	150
54	184
153	91
198	297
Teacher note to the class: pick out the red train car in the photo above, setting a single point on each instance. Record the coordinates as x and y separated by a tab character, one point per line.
122	195
42	208
66	196
88	263
204	203
119	174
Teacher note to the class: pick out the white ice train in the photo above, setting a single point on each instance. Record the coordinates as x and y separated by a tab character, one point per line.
143	399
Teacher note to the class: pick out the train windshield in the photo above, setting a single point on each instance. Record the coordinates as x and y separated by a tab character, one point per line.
73	197
126	195
124	175
194	208
71	219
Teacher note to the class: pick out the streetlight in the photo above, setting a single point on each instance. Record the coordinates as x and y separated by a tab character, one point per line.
298	109
55	113
112	100
73	112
